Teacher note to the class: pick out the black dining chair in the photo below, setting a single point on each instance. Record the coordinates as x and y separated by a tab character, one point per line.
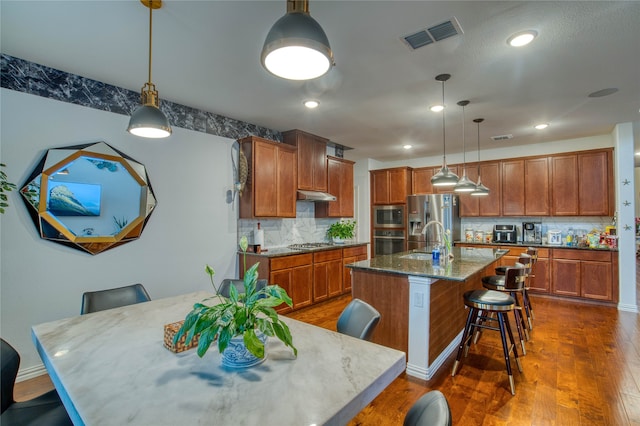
46	409
358	319
225	286
94	301
432	409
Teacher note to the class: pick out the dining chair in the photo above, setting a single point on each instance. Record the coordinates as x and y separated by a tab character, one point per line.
432	409
94	301
225	286
358	319
46	409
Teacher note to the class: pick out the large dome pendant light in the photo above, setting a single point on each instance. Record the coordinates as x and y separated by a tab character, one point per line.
296	47
481	190
464	184
444	177
147	120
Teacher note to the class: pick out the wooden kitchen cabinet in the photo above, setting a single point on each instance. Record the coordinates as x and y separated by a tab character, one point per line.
469	204
312	159
327	274
390	186
421	180
595	183
294	274
340	184
564	185
489	205
540	282
513	188
271	185
351	255
536	187
584	273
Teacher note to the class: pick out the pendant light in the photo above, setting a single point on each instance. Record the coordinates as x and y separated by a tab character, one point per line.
464	184
147	120
296	47
444	177
481	190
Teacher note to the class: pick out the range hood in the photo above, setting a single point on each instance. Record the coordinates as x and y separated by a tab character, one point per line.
315	196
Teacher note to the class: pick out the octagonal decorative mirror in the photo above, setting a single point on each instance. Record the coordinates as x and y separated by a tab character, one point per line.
89	197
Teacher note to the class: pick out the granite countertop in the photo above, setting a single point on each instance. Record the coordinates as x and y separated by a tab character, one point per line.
466	262
286	251
551	246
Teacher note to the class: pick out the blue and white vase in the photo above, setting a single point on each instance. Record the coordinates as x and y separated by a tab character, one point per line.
236	355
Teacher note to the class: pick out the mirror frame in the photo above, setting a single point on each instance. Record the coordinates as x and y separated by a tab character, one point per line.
35	192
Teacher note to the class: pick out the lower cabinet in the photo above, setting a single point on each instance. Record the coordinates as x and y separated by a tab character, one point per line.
540	282
351	255
327	274
586	274
308	277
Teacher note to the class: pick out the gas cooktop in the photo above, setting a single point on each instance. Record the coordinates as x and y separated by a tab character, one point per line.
303	246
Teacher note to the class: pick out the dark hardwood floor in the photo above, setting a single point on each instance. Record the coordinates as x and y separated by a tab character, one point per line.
582	368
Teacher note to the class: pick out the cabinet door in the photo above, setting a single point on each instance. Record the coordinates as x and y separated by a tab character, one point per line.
513	188
320	281
593	178
399	185
380	187
469	204
565	277
540	282
265	179
536	187
334	277
319	165
340	181
597	280
286	183
490	205
283	279
421	180
564	185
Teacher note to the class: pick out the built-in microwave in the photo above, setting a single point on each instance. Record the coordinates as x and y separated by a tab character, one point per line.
388	217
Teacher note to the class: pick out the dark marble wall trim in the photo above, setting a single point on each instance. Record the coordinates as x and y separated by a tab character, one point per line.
28	77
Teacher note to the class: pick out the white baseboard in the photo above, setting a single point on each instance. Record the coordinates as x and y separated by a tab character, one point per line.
628	308
31	372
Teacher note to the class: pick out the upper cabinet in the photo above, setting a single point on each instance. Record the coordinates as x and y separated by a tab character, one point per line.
340	184
390	186
489	205
536	187
312	159
271	186
513	188
421	180
469	205
582	184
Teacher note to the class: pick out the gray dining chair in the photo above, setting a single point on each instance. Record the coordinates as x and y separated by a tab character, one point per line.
225	286
46	409
432	409
358	319
94	301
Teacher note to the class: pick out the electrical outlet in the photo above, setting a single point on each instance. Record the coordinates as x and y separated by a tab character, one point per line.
418	300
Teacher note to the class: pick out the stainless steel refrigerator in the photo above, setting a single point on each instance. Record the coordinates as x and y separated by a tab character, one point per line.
423	209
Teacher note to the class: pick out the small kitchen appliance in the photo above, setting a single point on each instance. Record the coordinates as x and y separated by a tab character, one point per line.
504	233
532	232
554	237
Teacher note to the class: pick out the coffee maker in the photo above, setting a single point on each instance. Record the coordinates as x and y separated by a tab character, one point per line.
532	232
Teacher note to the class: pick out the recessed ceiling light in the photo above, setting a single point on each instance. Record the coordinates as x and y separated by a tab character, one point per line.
522	38
407	146
436	108
638	153
311	104
541	126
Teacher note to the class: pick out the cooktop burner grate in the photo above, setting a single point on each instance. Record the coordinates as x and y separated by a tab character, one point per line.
302	246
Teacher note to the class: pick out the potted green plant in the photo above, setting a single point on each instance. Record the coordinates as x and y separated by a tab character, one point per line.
241	323
341	230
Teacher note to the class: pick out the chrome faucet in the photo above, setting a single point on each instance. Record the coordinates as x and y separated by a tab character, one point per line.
444	234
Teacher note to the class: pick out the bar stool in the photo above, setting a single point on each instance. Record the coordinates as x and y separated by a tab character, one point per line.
513	285
525	260
490	301
533	252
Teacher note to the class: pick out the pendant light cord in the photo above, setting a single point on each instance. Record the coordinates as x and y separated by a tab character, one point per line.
150	35
444	148
478	149
464	148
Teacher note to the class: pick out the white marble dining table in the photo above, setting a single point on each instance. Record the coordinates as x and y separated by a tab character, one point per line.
111	368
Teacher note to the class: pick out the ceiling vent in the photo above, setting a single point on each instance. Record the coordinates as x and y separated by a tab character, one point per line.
434	33
502	137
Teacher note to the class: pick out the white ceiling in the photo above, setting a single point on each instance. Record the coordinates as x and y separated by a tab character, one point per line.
377	97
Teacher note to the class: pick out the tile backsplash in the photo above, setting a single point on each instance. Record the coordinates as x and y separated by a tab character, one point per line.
304	228
562	224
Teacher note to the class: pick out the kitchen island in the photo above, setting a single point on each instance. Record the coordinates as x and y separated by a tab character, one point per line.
420	301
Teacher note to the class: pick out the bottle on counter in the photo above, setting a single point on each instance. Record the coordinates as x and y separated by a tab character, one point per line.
435	254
